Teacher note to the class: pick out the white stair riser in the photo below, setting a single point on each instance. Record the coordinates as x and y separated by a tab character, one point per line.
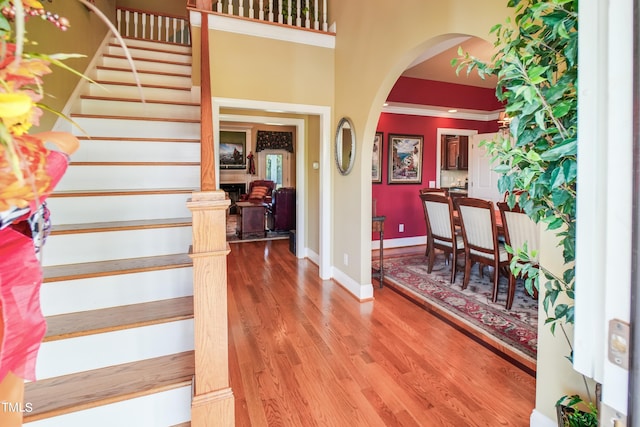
129	177
94	293
139	109
164	409
136	151
139	43
82	210
123	128
126	75
96	351
92	247
142	65
150	54
133	92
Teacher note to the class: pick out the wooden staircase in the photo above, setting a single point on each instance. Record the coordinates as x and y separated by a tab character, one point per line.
118	282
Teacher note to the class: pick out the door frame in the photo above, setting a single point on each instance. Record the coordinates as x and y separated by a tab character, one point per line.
447	131
324	113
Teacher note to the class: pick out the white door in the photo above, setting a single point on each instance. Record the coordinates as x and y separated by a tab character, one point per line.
483	181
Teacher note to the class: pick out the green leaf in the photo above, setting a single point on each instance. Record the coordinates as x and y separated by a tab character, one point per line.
567	149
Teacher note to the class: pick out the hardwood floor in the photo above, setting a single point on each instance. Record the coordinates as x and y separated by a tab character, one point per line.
304	352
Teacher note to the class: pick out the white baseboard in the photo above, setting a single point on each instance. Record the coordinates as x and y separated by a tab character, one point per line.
362	292
313	257
538	419
399	243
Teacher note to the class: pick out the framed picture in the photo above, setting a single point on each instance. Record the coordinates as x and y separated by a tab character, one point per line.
376	165
405	159
233	146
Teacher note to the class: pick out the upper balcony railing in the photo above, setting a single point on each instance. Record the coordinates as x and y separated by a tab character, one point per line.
142	24
307	14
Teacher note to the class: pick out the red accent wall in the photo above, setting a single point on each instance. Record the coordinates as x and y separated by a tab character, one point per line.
441	94
400	202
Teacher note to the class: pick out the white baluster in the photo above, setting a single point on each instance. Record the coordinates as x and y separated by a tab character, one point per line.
270	10
152	27
219	6
175	30
126	20
298	14
135	25
280	11
183	31
230	9
160	28
119	20
307	22
144	26
251	11
241	8
316	23
324	15
261	11
289	12
166	28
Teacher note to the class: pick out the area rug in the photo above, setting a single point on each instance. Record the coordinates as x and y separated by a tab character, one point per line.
515	329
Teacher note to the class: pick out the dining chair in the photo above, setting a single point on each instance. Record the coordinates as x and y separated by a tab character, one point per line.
441	234
441	191
480	235
518	230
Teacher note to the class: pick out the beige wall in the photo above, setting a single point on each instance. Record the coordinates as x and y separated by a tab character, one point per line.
84	36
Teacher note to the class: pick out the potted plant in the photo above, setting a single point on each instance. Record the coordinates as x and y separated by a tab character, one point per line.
536	66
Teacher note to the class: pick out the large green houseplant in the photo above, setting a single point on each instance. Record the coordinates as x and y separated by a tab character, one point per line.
536	64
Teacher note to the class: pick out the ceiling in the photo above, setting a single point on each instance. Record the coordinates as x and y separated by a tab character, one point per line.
435	64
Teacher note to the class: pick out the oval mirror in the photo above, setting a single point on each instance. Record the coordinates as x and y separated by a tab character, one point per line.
345	146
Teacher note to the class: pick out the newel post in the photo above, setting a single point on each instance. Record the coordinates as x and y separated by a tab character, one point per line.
213	403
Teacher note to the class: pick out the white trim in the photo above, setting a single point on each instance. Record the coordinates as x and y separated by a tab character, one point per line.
325	164
266	30
311	255
64	125
362	292
448	131
538	419
433	111
400	243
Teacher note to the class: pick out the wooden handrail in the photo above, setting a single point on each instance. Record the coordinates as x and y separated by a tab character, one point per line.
168	15
207	150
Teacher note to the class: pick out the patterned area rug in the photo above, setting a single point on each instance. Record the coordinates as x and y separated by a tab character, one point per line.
516	328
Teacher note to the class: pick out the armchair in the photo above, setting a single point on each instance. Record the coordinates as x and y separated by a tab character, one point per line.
260	190
282	212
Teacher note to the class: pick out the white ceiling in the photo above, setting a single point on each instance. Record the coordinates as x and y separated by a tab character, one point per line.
436	63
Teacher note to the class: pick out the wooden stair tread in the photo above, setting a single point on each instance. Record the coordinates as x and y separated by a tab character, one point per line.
56	273
151	49
135	163
90	322
128	70
146	101
121	192
151	119
70	393
138	58
136	139
120	225
144	85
